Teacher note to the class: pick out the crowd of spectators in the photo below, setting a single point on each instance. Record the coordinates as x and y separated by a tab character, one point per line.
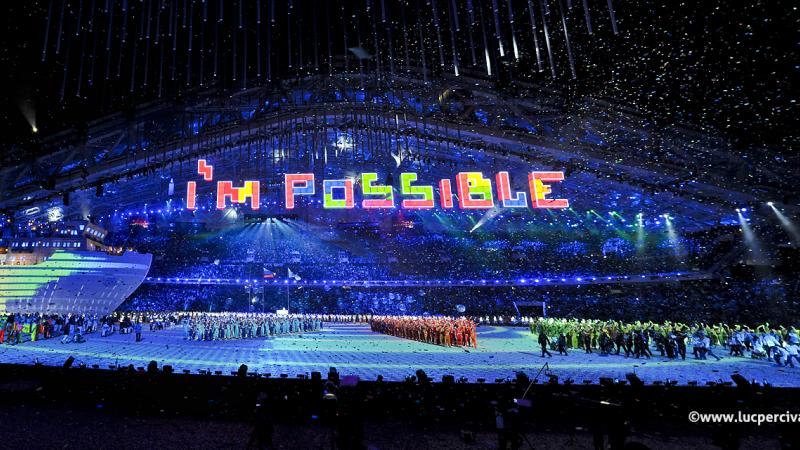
709	301
331	252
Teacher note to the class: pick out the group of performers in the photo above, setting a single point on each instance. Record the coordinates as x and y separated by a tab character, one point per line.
671	339
18	328
228	325
446	331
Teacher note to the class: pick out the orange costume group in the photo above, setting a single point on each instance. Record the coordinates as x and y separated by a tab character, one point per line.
433	330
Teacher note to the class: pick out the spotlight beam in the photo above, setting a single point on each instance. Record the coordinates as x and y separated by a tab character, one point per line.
787	225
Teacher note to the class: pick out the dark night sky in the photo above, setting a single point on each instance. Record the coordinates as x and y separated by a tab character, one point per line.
731	66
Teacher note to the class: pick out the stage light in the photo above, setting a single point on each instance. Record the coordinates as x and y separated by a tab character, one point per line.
750	239
787	224
34	129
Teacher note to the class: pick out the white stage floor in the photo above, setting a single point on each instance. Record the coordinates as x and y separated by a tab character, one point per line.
354	349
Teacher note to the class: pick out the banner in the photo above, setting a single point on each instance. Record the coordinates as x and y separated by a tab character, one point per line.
473	190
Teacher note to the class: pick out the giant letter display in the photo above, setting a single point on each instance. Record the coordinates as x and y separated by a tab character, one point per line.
426	202
540	190
250	189
387	200
205	169
337	194
446	193
519	200
473	184
297	184
191	195
472	191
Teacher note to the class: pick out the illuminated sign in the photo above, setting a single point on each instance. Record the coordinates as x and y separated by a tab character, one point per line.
473	190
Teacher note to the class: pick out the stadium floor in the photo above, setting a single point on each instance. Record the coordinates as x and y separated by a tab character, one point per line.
355	350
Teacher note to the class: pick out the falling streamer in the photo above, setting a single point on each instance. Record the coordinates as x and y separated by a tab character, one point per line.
613	16
371	12
147	48
586	16
216	40
389	38
94	45
123	33
244	56
110	11
300	60
258	39
91	17
545	10
190	38
160	63
485	42
289	35
316	43
566	39
471	11
438	31
330	39
270	21
60	26
453	28
344	38
141	19
47	31
360	61
66	70
203	43
123	36
513	31
80	18
133	59
189	44
454	9
149	19
497	34
422	49
235	55
158	22
532	13
405	37
82	59
174	21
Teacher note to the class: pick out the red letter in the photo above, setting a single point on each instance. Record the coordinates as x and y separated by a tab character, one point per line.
539	190
191	187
